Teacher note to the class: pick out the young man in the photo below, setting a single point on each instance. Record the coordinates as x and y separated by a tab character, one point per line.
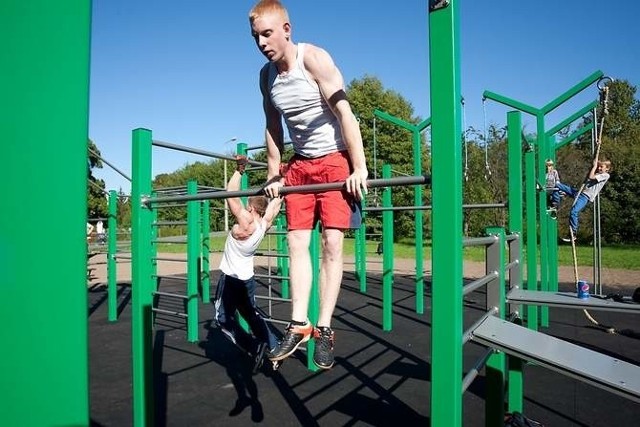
236	286
302	85
598	177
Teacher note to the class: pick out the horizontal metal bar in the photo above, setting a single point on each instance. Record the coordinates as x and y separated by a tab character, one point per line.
479	241
273	298
269	276
429	207
160	276
511	265
168	294
478	283
473	373
468	334
164	223
297	189
168	259
170	240
171	313
122	257
273	255
201	152
512	236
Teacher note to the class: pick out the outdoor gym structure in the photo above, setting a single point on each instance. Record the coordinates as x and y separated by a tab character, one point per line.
49	354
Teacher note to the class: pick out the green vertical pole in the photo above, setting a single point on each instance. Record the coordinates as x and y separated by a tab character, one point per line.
284	266
241	149
193	253
361	248
205	267
155	233
446	152
514	142
532	231
419	215
314	300
112	248
141	280
496	364
552	233
387	254
543	216
44	109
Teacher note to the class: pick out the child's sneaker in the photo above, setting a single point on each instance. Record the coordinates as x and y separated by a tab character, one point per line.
294	336
323	354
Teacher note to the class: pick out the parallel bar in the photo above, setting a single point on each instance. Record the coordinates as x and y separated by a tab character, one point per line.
201	152
472	286
312	188
475	370
429	207
479	241
171	313
170	295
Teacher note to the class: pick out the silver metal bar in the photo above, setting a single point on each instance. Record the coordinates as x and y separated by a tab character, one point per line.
171	313
475	370
429	207
168	294
168	259
479	241
201	152
468	334
312	188
478	283
160	276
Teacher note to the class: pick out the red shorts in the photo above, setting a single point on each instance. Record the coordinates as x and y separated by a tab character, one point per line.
335	208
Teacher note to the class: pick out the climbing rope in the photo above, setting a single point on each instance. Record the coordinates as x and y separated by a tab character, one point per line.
464	140
487	168
603	86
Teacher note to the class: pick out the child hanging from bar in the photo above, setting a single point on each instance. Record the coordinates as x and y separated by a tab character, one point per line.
237	286
552	180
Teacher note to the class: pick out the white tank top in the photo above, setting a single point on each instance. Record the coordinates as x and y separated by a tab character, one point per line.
313	128
237	258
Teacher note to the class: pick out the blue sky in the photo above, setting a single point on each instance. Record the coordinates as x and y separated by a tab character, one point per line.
188	70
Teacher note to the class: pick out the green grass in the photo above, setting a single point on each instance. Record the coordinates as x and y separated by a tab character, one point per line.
620	256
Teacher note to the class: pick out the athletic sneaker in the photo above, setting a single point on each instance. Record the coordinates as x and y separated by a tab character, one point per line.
294	336
323	354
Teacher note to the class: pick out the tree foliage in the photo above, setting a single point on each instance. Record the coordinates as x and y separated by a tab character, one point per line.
97	206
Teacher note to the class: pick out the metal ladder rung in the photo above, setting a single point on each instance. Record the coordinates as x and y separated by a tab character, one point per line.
171	313
168	294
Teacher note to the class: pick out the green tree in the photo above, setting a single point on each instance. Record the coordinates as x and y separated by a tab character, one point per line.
97	206
388	144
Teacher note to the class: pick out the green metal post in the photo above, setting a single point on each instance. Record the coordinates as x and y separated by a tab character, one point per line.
543	216
193	254
282	249
44	109
112	248
496	364
532	232
205	283
155	233
514	142
415	130
387	254
141	280
241	150
314	300
361	249
446	152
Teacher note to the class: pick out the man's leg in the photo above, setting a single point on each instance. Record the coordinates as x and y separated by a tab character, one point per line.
299	330
330	273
